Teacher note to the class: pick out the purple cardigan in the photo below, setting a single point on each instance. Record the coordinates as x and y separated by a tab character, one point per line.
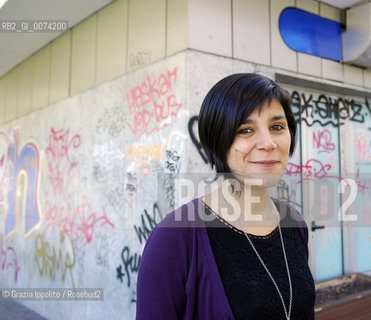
178	277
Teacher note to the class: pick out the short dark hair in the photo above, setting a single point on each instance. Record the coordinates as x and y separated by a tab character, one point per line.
228	103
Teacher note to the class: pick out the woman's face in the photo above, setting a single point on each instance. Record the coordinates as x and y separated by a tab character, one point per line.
260	149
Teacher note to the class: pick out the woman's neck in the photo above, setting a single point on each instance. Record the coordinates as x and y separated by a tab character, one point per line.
248	208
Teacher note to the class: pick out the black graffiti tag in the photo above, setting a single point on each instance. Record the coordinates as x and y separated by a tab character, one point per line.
192	121
131	264
148	222
327	110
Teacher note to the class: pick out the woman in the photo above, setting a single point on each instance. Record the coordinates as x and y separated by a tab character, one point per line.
235	253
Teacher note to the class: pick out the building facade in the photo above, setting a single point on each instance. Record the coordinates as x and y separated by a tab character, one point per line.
100	124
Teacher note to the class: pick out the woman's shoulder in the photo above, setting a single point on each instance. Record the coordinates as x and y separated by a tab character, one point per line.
179	222
170	243
289	214
186	216
292	218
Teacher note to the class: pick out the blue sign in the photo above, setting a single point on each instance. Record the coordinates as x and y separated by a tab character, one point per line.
308	33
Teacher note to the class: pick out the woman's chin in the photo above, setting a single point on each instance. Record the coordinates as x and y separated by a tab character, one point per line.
263	179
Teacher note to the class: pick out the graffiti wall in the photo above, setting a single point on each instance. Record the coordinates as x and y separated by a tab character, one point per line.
84	181
78	192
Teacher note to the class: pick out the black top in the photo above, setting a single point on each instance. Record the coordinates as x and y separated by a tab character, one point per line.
249	289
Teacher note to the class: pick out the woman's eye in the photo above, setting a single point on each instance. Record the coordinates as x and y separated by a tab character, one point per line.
277	127
245	131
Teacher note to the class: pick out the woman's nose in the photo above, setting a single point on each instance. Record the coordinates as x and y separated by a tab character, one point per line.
265	141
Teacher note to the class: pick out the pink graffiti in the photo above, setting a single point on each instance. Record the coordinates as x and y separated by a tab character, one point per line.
71	214
328	235
322	141
8	258
363	147
61	170
82	220
152	102
313	168
363	183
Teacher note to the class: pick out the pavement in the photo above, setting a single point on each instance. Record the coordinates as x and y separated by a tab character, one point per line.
13	310
354	307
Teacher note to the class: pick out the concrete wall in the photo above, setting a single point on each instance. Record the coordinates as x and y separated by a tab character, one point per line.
79	192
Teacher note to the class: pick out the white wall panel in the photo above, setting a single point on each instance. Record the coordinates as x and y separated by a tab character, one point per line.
353	75
177	26
24	105
367	78
10	95
112	24
308	64
40	78
84	55
210	26
311	6
332	70
60	67
330	12
251	40
282	56
147	31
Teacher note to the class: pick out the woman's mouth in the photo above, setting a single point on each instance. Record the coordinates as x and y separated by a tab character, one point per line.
265	163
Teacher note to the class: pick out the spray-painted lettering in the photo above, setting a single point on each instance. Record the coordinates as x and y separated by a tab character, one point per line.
140	58
61	210
131	264
153	103
313	168
8	258
172	163
49	260
27	162
326	110
322	141
143	154
148	223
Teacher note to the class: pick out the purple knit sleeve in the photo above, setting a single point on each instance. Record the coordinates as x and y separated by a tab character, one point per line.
162	275
302	225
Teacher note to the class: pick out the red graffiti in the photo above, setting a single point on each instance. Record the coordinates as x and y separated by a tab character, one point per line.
8	258
363	147
328	235
315	169
61	170
71	214
60	143
312	169
322	141
363	183
89	219
81	220
153	103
